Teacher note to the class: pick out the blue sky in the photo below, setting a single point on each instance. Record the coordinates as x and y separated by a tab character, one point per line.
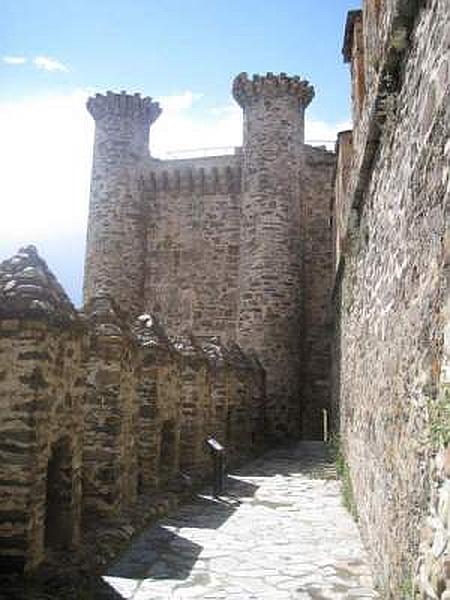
185	53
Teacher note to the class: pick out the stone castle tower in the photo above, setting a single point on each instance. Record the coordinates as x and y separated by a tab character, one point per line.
115	244
270	259
235	246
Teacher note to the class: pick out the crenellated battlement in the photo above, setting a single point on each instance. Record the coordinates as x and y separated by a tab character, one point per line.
246	90
221	179
212	243
123	104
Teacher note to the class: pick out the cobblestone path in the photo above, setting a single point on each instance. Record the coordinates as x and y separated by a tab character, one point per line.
281	533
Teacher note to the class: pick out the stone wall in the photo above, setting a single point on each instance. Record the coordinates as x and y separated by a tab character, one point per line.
193	225
432	573
391	281
110	448
41	417
235	247
115	248
97	411
159	397
270	258
195	408
316	284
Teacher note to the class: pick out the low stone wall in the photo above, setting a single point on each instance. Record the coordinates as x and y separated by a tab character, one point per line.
41	413
246	418
110	407
159	400
194	406
96	411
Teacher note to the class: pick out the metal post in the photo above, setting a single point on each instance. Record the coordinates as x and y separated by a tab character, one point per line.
218	456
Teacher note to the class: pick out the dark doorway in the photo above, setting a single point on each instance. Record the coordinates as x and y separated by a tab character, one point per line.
168	451
58	515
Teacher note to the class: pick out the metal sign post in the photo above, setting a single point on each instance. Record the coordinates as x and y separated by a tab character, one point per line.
218	456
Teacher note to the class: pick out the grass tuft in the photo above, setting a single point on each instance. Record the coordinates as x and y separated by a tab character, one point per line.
343	472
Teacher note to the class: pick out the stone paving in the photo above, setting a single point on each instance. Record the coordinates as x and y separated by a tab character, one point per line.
280	533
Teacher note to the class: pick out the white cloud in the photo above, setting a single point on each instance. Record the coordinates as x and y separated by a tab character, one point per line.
179	102
45	153
321	133
14	60
49	64
181	132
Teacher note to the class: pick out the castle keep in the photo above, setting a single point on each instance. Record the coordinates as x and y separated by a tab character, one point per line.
236	246
245	296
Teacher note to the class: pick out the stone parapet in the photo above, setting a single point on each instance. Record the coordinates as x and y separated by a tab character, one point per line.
28	289
193	220
222	179
100	411
123	105
246	90
110	451
42	414
159	398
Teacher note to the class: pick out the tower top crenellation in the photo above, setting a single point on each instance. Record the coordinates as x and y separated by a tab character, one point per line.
245	89
123	104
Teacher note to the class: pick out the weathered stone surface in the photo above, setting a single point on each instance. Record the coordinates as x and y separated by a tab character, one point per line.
221	246
433	564
96	411
270	295
316	284
191	278
29	289
41	414
392	289
111	412
116	231
159	397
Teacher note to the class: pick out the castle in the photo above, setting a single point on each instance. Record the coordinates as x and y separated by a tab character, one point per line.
237	247
247	296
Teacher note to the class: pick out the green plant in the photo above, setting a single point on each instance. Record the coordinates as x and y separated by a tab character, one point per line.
407	589
343	473
439	412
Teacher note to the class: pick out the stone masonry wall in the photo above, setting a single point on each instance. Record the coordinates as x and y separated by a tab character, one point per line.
192	254
270	258
216	246
115	248
316	284
432	572
41	413
159	397
392	284
110	446
194	407
95	412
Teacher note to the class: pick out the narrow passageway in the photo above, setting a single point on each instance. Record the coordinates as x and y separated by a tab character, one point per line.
280	533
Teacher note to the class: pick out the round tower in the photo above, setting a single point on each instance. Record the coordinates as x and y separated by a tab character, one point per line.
269	311
115	246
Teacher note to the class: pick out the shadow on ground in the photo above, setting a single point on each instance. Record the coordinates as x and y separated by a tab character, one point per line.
159	552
